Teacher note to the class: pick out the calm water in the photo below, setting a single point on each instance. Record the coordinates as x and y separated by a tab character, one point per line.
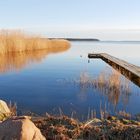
70	82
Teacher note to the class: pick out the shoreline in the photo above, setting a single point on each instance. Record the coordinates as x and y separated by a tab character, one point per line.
63	127
78	39
67	128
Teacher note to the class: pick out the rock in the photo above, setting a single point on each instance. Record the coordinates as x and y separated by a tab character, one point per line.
19	128
4	110
3	107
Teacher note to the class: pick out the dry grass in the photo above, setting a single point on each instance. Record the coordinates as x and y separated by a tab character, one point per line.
113	86
15	41
13	108
65	128
109	83
17	49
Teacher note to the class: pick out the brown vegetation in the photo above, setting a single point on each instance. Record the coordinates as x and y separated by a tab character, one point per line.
17	49
15	41
109	83
65	128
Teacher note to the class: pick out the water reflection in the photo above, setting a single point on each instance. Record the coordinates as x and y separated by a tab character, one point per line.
17	61
131	76
108	83
55	82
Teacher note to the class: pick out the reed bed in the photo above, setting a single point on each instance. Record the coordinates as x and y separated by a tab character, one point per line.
17	49
109	83
16	41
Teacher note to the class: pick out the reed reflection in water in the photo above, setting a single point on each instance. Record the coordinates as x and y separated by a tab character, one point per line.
18	60
109	83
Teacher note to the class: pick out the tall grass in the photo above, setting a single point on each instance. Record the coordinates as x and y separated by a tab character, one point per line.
17	49
16	41
109	83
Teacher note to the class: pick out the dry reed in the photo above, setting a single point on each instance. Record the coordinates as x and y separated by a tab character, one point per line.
16	41
18	49
108	83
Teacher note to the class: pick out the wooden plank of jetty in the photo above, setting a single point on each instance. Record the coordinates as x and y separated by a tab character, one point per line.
130	71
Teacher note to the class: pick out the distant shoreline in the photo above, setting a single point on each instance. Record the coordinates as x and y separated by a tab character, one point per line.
78	39
94	39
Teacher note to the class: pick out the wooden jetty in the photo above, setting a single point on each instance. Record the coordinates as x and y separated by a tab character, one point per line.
130	71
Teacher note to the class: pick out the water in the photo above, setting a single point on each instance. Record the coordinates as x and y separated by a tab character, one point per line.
70	82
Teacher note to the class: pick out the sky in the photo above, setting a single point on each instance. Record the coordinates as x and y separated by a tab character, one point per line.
103	19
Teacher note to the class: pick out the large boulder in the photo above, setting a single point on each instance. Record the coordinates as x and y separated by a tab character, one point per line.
4	110
19	128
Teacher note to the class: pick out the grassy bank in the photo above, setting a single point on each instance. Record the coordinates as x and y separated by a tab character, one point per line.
15	41
62	127
65	128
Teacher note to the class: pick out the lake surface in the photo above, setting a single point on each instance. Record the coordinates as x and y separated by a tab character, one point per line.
69	82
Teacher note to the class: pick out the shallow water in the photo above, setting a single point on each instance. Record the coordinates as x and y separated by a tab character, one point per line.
69	82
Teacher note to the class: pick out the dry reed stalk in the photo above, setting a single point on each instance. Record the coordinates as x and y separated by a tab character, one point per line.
16	41
18	49
13	108
110	84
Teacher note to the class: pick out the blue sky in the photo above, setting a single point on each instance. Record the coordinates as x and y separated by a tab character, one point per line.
105	19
